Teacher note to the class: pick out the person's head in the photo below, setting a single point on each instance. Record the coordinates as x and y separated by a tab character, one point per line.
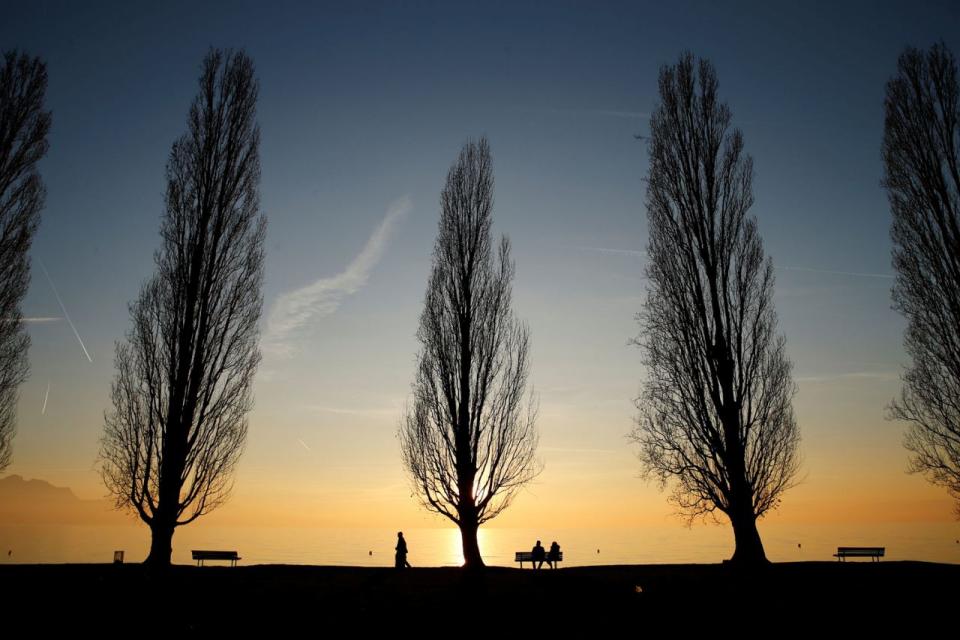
538	543
399	534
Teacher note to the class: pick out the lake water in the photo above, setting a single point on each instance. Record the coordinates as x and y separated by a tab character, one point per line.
936	542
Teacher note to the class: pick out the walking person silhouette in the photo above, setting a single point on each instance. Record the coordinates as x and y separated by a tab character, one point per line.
401	558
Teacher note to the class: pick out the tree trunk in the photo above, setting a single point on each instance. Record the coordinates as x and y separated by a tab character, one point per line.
161	545
168	501
749	548
471	549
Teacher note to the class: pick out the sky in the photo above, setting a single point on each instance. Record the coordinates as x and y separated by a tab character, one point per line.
362	109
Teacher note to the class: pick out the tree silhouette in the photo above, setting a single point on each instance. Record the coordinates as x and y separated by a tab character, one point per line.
184	375
716	418
921	154
23	142
469	441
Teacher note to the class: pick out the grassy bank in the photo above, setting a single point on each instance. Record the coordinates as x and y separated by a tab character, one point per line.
128	599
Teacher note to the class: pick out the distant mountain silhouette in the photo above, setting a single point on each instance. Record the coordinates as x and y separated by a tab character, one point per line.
39	502
16	487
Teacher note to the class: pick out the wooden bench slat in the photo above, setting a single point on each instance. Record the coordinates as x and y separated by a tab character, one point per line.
527	556
860	552
214	554
205	554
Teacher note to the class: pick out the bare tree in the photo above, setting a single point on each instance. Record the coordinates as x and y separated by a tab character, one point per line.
184	378
921	154
23	142
716	418
469	441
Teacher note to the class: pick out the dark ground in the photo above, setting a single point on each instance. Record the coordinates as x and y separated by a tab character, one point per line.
131	601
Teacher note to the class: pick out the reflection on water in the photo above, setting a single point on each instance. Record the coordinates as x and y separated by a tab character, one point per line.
934	542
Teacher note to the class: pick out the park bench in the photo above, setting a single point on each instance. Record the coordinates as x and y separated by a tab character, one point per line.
875	553
200	556
527	556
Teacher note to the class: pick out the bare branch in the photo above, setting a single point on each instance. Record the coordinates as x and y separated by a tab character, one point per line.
469	441
185	373
716	420
921	154
24	126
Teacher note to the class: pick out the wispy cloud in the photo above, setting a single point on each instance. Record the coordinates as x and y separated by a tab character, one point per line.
351	411
850	375
295	309
834	272
603	113
859	274
41	319
621	252
580	450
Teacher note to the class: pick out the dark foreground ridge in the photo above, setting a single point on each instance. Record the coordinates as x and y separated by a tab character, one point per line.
121	599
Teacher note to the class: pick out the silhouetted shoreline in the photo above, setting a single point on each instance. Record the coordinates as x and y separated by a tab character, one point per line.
276	597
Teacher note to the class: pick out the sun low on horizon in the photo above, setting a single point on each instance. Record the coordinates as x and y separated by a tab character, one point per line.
364	114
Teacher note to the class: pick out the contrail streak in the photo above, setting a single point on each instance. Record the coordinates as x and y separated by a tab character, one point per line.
46	396
860	274
623	252
64	309
304	445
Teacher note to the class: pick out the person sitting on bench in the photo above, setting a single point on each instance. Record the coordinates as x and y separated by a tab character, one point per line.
539	554
554	555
